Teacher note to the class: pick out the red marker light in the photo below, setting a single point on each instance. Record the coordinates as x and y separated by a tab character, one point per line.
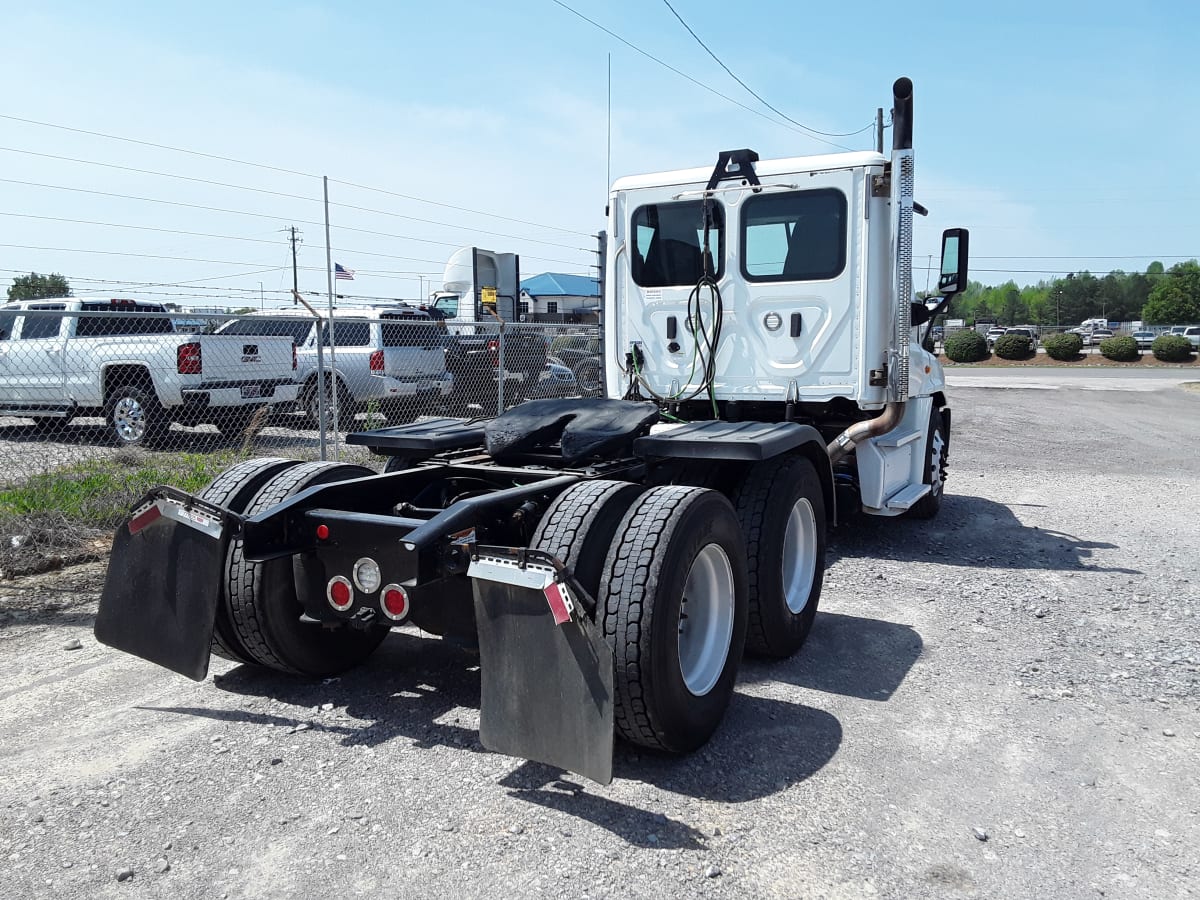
394	601
322	532
339	593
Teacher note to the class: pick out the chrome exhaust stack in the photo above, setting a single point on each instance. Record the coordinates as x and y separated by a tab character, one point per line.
860	431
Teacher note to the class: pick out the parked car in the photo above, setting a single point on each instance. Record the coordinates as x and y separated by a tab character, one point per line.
125	360
1192	333
992	336
1177	329
1144	339
1025	331
582	354
555	380
1093	338
394	357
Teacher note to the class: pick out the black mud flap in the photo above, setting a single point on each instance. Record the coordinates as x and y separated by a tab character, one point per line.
546	670
164	582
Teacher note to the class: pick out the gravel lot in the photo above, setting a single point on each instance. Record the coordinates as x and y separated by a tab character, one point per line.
1000	703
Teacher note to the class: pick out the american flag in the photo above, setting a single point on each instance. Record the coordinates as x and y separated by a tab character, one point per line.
341	273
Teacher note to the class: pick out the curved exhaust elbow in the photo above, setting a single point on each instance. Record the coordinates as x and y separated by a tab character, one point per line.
841	445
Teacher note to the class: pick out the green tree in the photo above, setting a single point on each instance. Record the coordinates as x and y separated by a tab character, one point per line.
38	287
1175	297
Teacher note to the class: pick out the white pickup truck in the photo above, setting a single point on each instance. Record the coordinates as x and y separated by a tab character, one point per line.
125	360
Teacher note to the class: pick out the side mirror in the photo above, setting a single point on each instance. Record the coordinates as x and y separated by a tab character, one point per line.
953	278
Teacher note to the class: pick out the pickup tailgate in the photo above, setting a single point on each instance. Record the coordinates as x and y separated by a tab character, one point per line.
245	359
413	350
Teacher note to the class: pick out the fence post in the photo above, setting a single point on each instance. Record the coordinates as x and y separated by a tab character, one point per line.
501	375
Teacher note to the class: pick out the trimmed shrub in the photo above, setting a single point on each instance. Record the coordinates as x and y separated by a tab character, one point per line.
1063	347
1119	349
966	346
1171	348
1013	346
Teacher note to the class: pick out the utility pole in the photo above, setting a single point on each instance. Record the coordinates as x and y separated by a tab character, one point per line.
878	129
295	238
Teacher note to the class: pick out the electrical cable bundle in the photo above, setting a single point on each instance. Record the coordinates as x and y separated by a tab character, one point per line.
706	330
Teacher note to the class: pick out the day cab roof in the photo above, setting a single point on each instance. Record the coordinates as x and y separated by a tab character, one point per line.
764	168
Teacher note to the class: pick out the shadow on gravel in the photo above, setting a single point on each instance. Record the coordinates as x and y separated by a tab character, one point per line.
740	764
403	690
848	655
969	531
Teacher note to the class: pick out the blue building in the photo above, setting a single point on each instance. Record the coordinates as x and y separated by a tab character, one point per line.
555	297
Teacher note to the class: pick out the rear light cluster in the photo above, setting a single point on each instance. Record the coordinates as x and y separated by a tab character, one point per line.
377	362
187	359
493	347
367	578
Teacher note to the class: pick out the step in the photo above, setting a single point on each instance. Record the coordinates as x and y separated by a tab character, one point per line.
906	497
897	438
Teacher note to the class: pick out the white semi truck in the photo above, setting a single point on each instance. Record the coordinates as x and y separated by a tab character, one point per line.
611	558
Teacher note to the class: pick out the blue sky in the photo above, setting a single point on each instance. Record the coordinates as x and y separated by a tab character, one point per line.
1062	134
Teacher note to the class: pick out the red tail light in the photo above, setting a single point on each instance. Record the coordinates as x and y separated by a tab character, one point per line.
377	361
493	347
187	359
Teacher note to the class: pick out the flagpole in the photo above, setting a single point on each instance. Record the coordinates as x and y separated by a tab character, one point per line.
333	390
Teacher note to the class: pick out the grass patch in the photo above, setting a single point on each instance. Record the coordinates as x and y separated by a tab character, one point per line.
68	514
97	493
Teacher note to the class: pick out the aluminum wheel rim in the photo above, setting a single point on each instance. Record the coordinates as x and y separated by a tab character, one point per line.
706	620
799	555
129	419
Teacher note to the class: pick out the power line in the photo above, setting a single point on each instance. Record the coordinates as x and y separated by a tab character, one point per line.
257	165
216	262
367	187
239	212
754	93
694	81
301	197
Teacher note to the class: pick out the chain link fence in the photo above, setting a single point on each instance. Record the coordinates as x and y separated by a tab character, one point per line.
100	400
79	383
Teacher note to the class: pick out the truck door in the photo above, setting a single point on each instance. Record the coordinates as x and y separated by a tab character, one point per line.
36	359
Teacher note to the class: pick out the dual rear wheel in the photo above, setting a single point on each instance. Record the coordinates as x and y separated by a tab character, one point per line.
684	578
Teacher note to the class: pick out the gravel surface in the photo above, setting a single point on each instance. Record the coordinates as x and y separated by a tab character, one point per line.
998	703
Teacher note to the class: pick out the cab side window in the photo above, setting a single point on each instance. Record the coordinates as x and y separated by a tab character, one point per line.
41	324
7	321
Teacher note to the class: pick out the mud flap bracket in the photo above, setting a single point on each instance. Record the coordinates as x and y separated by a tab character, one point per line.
546	669
165	580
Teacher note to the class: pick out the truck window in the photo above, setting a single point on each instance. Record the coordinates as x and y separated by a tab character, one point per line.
349	334
411	333
7	320
797	236
297	329
109	324
40	324
446	307
668	239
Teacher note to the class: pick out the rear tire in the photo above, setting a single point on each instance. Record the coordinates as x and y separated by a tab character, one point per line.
135	416
234	489
676	657
580	525
590	378
781	509
262	596
937	456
